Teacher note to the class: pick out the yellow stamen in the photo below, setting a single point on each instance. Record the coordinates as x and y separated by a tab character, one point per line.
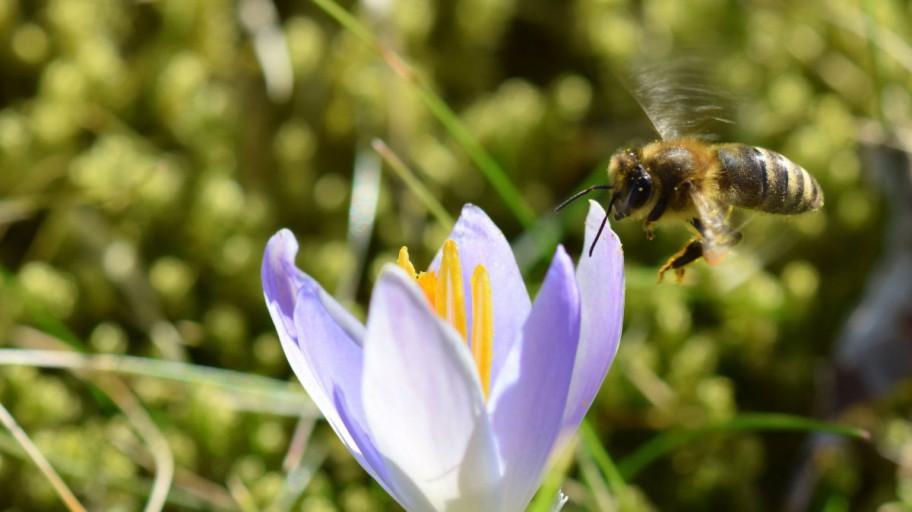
450	298
446	295
482	327
428	283
426	280
404	262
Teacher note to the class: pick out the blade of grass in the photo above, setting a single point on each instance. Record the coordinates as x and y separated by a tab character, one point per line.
889	43
191	491
599	496
489	167
245	391
560	499
241	494
151	435
66	495
297	480
549	493
362	215
261	21
665	443
537	241
299	442
413	183
593	446
38	313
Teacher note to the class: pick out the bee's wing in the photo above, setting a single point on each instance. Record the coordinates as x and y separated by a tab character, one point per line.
676	95
713	226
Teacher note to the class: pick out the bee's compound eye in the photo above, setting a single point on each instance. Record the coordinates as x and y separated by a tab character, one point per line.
640	190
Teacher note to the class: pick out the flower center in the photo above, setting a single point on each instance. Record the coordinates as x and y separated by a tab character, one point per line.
446	295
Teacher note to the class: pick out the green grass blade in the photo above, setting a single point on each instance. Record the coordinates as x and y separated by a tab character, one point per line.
549	490
243	391
413	183
593	445
42	319
770	422
489	167
60	487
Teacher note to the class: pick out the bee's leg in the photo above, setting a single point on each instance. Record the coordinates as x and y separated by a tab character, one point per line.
698	225
655	215
690	253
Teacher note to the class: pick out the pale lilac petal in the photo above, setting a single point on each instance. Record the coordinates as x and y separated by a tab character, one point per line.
529	396
480	241
601	284
316	335
329	365
281	281
424	406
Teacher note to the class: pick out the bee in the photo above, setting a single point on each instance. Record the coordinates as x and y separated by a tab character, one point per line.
685	178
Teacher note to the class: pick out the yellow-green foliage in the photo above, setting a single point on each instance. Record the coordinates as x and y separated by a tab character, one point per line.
149	149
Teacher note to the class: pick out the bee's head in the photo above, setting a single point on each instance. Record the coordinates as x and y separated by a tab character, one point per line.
631	182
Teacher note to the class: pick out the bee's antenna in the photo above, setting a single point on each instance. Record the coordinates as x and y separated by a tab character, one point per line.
602	225
581	194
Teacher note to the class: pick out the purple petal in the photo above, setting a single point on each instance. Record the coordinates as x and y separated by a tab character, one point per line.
329	365
424	405
316	335
529	397
281	281
601	284
480	242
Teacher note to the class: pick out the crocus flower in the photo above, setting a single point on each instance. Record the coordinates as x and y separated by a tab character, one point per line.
459	389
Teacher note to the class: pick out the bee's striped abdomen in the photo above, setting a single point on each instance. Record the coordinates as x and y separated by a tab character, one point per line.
764	180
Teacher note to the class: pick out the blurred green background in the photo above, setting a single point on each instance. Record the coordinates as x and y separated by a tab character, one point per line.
148	149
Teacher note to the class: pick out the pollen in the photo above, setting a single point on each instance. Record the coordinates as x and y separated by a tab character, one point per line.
445	293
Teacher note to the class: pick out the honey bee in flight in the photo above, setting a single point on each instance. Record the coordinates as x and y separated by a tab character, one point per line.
684	178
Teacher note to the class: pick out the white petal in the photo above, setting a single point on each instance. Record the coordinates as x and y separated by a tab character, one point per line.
424	405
